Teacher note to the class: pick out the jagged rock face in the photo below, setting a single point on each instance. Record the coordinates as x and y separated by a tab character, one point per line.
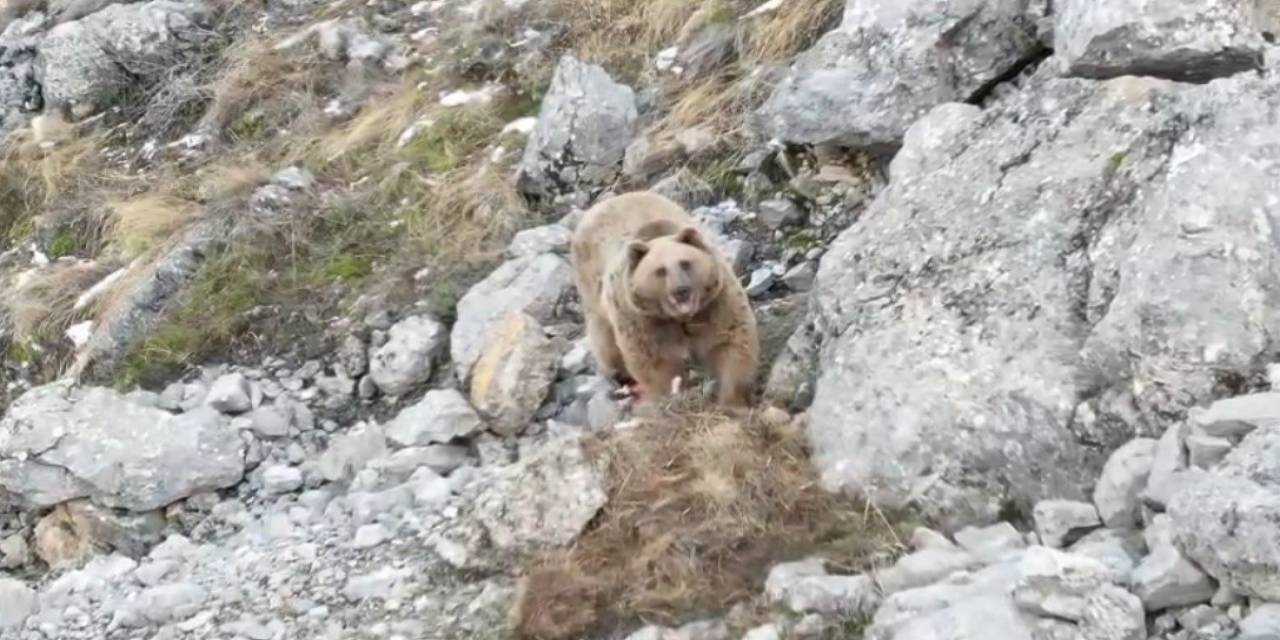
586	122
86	62
1228	520
60	442
891	61
1040	279
1194	40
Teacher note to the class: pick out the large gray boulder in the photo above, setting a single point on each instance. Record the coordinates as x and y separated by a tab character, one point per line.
59	442
1041	282
535	286
586	122
1228	520
86	63
1195	40
890	61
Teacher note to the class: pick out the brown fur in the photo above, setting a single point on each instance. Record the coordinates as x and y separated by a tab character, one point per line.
631	254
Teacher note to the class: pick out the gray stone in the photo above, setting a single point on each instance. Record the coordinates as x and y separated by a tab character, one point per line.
535	286
17	603
514	374
800	277
851	596
1169	459
1111	613
1225	520
59	442
1123	479
585	124
889	62
349	452
442	416
780	212
75	530
1166	579
761	281
940	351
86	63
294	179
1205	451
172	601
280	478
440	458
763	632
924	567
1118	550
925	538
406	360
370	535
710	48
543	501
271	421
1236	417
14	551
967	606
1059	523
530	243
1057	584
230	394
989	544
1263	621
1187	40
353	355
384	584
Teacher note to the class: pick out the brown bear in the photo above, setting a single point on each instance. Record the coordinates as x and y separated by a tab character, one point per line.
655	291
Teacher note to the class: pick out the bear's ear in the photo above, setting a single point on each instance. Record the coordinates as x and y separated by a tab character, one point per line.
691	236
636	251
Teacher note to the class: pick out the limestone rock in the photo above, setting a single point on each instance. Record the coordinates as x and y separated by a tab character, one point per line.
407	359
1123	478
1057	584
84	63
1061	522
545	500
1187	40
74	531
17	602
1236	417
1225	520
583	129
442	416
230	394
1167	579
957	336
514	374
889	62
59	442
535	286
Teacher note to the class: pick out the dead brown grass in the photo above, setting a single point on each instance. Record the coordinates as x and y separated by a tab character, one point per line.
701	505
791	28
44	305
145	221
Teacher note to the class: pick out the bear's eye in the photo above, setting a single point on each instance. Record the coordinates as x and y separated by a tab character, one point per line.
661	272
685	265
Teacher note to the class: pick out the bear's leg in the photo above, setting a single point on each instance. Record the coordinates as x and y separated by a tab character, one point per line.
655	368
605	347
734	370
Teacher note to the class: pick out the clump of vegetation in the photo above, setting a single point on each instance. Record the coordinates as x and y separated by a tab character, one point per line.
701	505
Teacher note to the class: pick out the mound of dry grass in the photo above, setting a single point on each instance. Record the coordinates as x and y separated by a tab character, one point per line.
700	507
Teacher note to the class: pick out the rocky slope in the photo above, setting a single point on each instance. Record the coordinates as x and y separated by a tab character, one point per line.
1014	262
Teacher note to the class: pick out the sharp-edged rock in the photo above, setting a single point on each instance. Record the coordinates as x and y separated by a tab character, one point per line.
514	374
408	357
1059	523
586	122
891	61
1186	40
442	416
1117	494
59	442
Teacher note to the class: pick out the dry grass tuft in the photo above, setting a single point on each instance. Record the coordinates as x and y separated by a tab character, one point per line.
262	91
701	505
44	305
148	220
789	29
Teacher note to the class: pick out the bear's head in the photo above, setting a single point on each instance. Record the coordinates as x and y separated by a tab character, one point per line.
674	276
